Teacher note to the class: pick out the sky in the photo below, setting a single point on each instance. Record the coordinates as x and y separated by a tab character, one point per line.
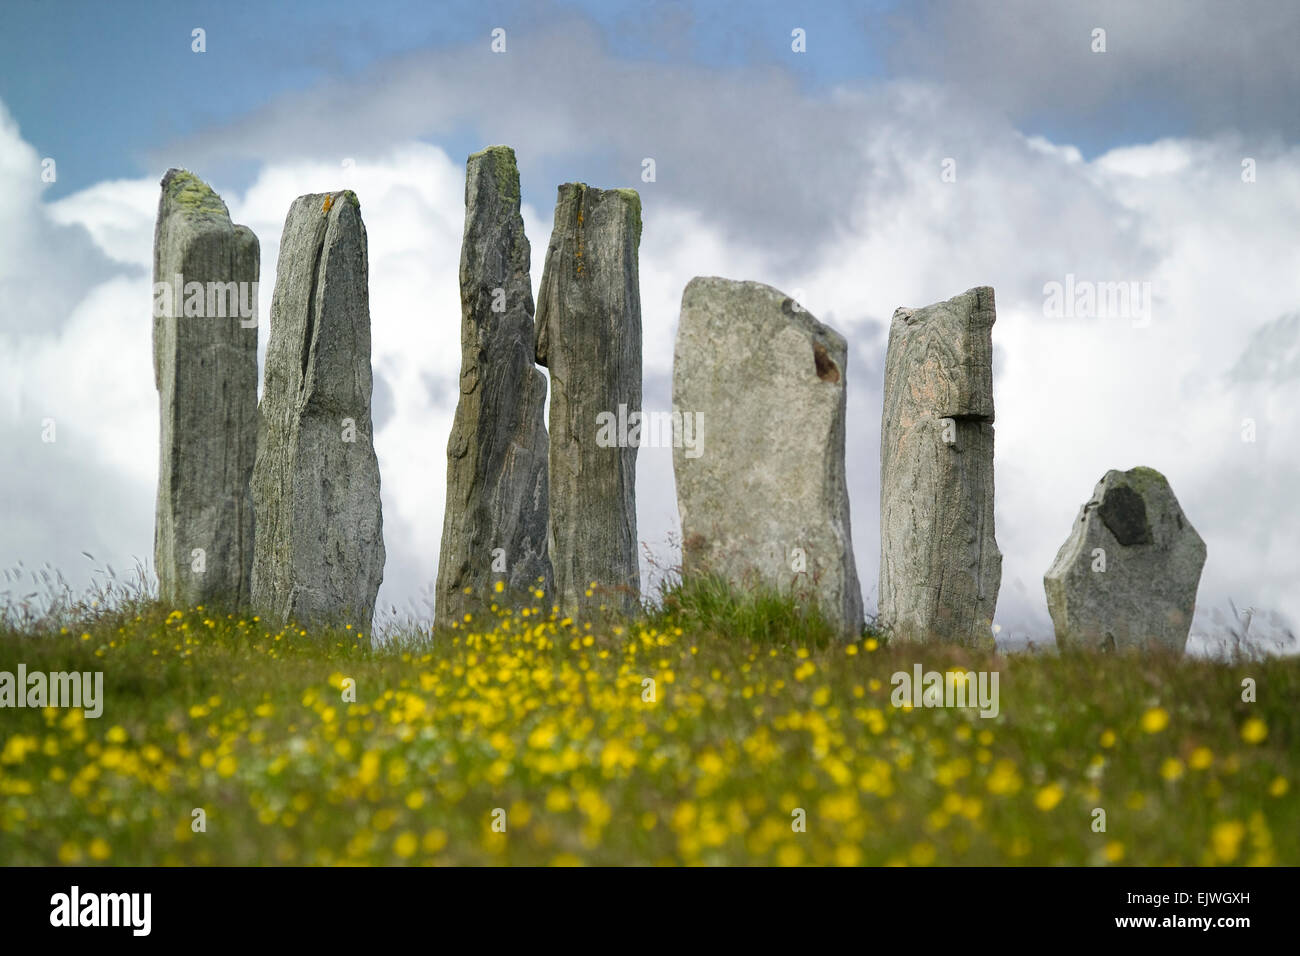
910	152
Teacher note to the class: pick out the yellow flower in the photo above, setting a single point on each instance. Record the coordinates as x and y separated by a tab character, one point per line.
1155	720
1254	731
1114	851
1226	840
1049	797
1171	769
99	849
1108	738
69	853
1278	787
369	771
406	844
1200	758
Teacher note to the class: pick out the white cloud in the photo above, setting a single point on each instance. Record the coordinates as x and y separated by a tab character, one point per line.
1074	397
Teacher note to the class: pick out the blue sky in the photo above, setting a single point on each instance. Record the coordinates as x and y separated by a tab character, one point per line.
101	85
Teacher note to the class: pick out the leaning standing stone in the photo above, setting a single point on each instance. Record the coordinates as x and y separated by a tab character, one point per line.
758	451
1126	577
319	553
205	370
940	567
494	526
589	336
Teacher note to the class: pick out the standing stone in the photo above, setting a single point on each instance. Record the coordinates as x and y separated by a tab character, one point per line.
319	552
764	501
589	336
1126	577
494	526
940	567
205	369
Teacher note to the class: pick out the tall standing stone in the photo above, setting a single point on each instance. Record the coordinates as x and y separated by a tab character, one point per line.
205	370
494	526
589	336
1127	575
319	552
940	567
763	499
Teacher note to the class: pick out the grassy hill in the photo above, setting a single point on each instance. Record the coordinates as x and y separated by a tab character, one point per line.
546	726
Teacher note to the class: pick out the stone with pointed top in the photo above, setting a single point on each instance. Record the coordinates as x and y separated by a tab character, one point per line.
495	524
205	370
319	547
940	567
1126	577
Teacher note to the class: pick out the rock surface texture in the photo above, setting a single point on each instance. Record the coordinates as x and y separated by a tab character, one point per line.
940	567
495	524
760	484
205	370
589	337
1126	577
319	548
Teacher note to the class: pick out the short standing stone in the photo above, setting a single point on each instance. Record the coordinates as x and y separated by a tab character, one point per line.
205	369
1126	577
319	550
940	567
494	526
589	336
759	452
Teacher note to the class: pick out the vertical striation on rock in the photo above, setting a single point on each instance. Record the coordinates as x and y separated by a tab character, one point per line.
205	370
319	548
589	336
759	384
940	567
1126	577
495	524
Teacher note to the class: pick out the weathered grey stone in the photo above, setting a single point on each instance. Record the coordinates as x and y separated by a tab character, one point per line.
319	549
1126	577
205	370
940	567
589	336
494	526
760	483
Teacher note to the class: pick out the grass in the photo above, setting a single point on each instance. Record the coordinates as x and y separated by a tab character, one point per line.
550	726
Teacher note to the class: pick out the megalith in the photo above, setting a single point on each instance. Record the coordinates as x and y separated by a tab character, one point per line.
940	567
494	526
1127	575
589	337
758	449
319	548
205	272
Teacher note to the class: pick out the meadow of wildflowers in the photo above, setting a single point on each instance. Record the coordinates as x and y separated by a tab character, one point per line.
529	738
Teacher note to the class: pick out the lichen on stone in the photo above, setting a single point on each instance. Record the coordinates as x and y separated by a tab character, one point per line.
504	169
635	198
192	194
